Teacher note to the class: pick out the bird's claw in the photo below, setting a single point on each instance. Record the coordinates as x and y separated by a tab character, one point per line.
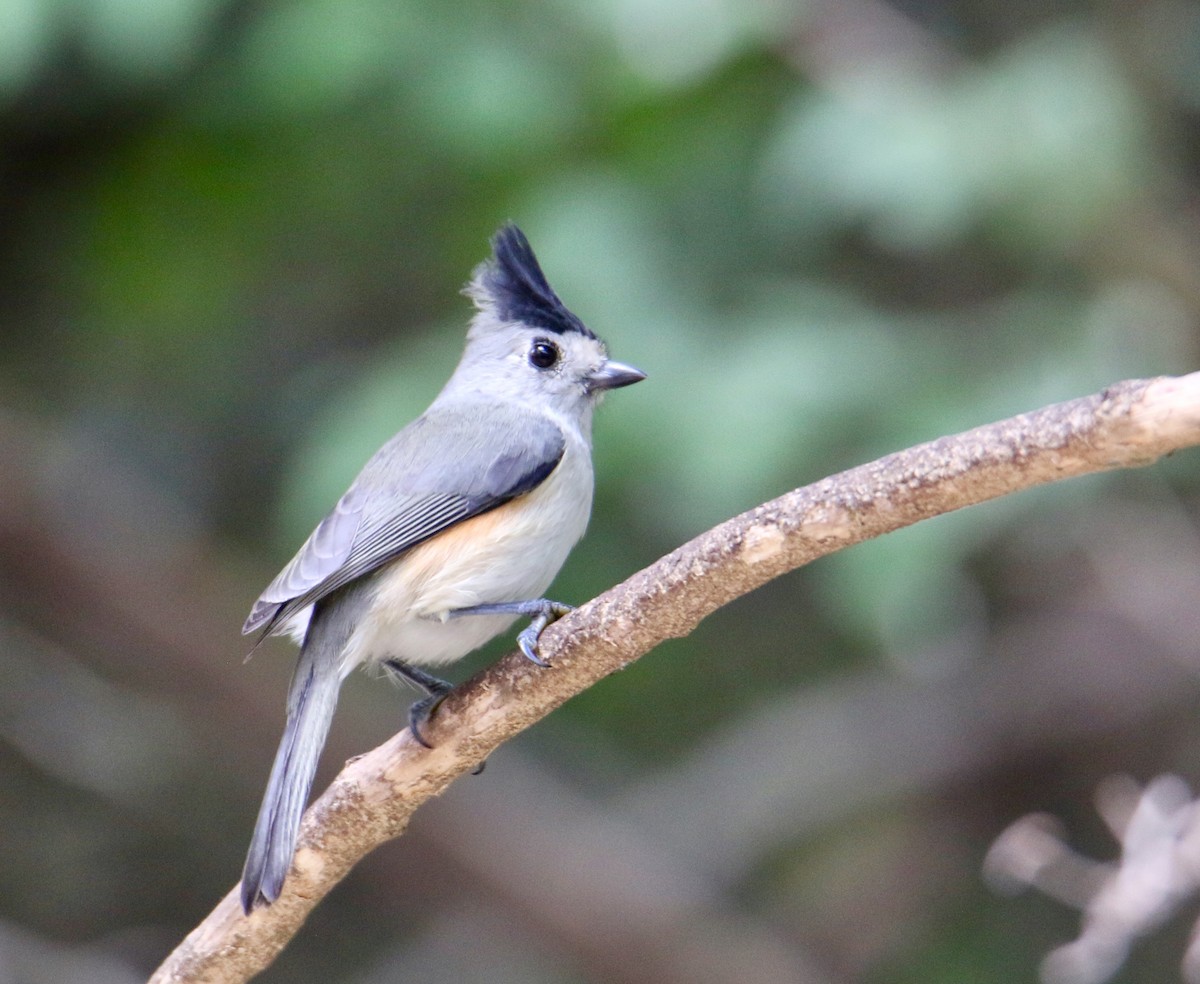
527	640
422	710
419	715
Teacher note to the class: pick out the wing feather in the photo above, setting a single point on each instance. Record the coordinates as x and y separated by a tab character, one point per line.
432	475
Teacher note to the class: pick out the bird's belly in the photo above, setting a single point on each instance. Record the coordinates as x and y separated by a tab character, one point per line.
433	641
511	553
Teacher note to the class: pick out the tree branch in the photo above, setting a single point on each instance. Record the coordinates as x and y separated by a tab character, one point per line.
1129	424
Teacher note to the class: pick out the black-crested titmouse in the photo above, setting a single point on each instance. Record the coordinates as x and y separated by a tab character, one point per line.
451	531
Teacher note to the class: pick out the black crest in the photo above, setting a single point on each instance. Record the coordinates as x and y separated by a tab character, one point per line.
514	283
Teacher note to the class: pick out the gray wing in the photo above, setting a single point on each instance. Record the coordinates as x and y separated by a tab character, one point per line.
447	466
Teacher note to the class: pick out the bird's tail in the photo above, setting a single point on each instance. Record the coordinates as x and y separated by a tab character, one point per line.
311	703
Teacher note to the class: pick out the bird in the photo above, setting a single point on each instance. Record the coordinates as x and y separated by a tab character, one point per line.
452	530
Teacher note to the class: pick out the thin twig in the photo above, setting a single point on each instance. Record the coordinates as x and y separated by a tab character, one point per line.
1129	424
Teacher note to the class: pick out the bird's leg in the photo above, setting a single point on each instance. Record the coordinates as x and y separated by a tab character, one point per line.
435	692
543	612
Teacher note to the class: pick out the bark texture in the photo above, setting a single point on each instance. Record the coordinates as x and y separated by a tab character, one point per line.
1129	424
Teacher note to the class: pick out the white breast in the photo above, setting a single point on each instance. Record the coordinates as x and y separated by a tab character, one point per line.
511	553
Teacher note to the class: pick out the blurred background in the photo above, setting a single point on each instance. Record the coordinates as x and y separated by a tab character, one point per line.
233	233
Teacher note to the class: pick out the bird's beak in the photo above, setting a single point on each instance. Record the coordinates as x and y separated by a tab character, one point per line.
613	375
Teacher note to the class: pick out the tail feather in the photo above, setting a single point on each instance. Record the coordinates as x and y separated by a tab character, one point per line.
311	703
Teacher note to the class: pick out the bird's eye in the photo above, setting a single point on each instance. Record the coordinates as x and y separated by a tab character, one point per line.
543	354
